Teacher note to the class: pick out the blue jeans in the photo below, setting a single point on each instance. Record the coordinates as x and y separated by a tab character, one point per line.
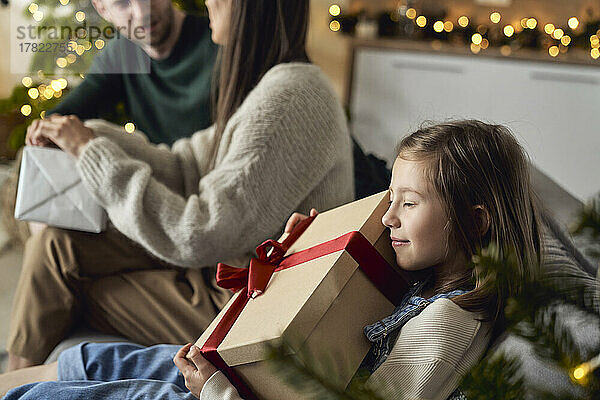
93	371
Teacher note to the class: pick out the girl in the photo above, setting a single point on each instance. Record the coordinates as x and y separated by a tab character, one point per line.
279	142
456	187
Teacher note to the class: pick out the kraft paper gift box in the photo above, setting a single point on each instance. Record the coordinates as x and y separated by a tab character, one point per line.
50	191
337	276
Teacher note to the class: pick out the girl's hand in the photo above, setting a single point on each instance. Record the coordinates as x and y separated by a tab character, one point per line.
297	218
194	367
66	132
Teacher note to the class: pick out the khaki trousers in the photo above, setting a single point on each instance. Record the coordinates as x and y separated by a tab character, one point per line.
111	284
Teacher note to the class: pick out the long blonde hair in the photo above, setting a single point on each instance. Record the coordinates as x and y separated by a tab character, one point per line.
471	163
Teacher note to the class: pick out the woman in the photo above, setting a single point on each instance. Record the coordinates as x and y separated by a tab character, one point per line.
279	143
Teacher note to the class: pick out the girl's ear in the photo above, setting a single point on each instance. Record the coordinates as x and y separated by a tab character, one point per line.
482	219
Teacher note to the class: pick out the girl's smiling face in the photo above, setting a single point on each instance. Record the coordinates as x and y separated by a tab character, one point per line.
416	217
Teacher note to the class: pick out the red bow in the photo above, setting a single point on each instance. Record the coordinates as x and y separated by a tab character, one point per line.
258	275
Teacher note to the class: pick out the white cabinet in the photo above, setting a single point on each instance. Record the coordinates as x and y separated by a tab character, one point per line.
554	109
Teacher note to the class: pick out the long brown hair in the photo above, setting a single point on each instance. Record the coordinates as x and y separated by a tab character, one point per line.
262	34
471	163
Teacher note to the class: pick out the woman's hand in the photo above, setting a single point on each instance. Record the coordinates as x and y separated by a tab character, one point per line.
195	368
297	218
66	132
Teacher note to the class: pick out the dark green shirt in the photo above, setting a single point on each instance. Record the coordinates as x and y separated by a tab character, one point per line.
170	102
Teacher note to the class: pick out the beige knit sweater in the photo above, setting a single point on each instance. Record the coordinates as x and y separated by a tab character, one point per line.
286	148
433	351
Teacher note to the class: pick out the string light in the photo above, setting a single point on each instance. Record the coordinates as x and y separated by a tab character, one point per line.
553	51
463	21
33	7
27	81
334	10
581	372
495	17
80	16
485	44
549	29
335	25
33	93
565	40
56	86
509	30
595	53
476	39
61	62
26	110
558	33
129	127
411	13
524	22
573	22
64	2
43	114
38	16
421	21
475	49
99	44
448	26
438	26
531	23
63	83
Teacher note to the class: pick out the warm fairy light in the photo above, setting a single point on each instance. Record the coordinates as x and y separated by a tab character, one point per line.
509	30
549	29
43	114
26	110
80	16
33	93
79	49
463	21
505	50
411	13
475	48
48	92
335	25
594	41
553	51
56	86
580	372
531	23
448	26
129	127
71	58
334	10
63	83
495	17
61	62
38	16
27	81
438	26
595	53
476	39
524	22
87	45
573	22
485	44
565	40
421	21
33	7
99	44
64	2
558	33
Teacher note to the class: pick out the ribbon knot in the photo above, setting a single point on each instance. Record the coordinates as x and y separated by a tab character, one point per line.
258	274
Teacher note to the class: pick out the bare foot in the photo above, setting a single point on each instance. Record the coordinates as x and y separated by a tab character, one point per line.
40	373
15	362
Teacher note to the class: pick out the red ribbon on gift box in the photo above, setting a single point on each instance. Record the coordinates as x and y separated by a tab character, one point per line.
255	279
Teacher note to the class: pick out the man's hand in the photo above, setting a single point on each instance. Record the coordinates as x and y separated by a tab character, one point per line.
194	367
296	218
66	132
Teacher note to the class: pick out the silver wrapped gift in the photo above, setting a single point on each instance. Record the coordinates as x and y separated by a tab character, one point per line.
51	191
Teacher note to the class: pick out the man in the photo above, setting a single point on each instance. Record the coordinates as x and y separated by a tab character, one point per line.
173	99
